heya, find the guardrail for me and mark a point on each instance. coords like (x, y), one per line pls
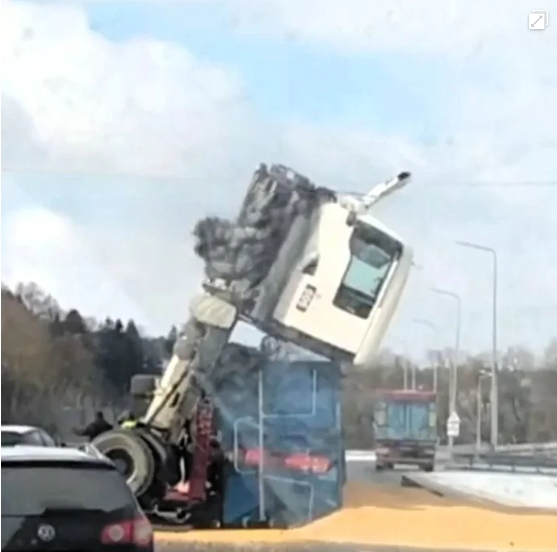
(504, 462)
(527, 448)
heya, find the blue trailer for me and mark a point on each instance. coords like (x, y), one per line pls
(282, 433)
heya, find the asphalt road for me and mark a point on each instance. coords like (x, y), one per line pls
(365, 471)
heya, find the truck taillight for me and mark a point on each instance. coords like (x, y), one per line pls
(136, 531)
(298, 462)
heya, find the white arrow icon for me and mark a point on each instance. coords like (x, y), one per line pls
(538, 20)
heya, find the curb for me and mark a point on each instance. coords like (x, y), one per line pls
(444, 491)
(433, 488)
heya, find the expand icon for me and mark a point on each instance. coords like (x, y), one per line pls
(538, 20)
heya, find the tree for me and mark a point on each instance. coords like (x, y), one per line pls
(170, 341)
(52, 360)
(74, 324)
(39, 371)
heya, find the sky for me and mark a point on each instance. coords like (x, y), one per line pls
(125, 122)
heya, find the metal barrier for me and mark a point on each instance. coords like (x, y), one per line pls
(526, 448)
(504, 462)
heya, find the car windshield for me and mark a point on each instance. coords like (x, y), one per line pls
(34, 489)
(372, 253)
(11, 438)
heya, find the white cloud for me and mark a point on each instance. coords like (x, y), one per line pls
(425, 27)
(499, 108)
(144, 105)
(49, 249)
(80, 103)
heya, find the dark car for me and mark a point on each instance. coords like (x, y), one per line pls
(65, 499)
(13, 435)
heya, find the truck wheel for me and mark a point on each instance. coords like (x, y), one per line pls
(131, 455)
(428, 468)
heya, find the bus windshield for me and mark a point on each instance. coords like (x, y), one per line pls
(372, 254)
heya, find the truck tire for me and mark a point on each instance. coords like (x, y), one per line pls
(131, 455)
(428, 467)
(143, 384)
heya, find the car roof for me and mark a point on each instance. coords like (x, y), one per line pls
(18, 428)
(46, 454)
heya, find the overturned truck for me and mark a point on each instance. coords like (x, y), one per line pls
(306, 266)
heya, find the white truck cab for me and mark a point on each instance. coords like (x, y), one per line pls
(345, 291)
(303, 264)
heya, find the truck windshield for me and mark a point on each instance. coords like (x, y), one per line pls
(372, 253)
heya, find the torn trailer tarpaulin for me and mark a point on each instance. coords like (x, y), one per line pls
(241, 253)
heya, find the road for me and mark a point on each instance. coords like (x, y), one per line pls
(365, 471)
(373, 511)
(361, 470)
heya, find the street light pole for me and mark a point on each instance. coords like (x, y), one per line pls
(454, 372)
(433, 328)
(494, 373)
(482, 375)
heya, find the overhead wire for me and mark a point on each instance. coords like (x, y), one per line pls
(171, 177)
